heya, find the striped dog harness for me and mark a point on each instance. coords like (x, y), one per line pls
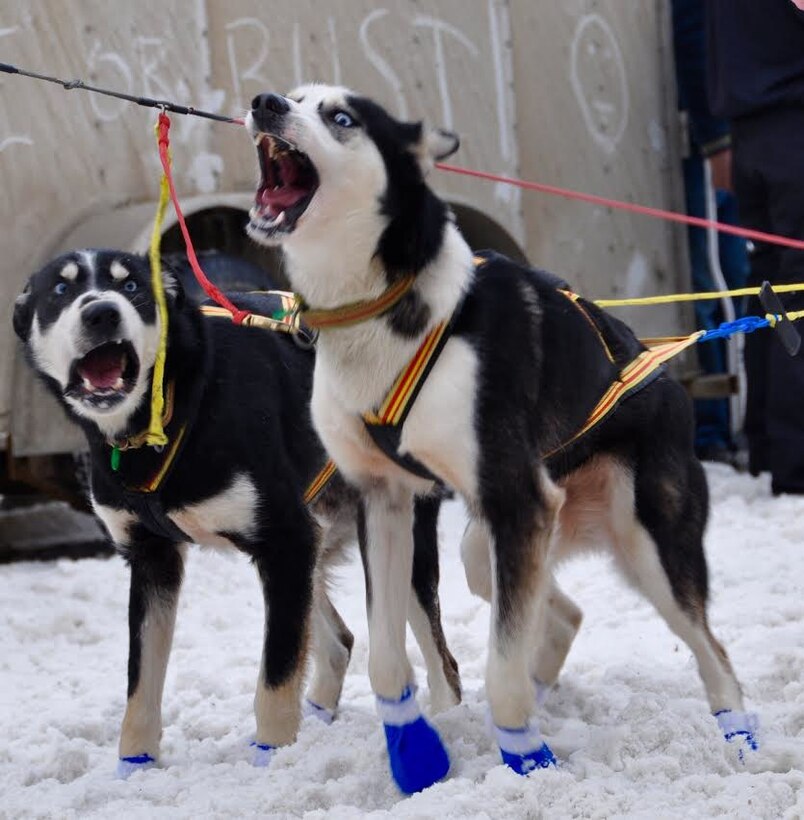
(384, 424)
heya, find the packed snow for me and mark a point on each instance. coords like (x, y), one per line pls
(628, 720)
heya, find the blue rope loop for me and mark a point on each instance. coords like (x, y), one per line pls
(747, 324)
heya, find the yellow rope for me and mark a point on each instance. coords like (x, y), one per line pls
(792, 316)
(692, 297)
(156, 434)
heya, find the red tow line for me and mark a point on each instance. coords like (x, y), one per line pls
(210, 289)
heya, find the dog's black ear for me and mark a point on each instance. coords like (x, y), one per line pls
(23, 314)
(173, 287)
(435, 145)
(440, 143)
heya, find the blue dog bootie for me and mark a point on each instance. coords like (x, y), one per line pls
(524, 750)
(126, 766)
(739, 727)
(263, 753)
(310, 709)
(415, 751)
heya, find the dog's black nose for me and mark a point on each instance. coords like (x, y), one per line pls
(275, 103)
(101, 317)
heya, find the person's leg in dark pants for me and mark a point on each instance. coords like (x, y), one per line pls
(769, 183)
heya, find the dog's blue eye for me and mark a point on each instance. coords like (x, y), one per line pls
(343, 119)
(130, 286)
(60, 289)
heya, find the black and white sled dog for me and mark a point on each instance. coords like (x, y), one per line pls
(242, 452)
(526, 364)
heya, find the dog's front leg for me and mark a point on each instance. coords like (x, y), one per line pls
(522, 530)
(417, 756)
(285, 561)
(157, 567)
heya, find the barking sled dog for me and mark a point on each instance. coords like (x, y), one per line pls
(242, 453)
(521, 368)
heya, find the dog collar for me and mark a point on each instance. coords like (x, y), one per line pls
(137, 440)
(294, 313)
(356, 312)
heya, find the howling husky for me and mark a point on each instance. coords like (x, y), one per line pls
(544, 413)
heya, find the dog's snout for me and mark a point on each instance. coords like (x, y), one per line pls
(273, 103)
(101, 317)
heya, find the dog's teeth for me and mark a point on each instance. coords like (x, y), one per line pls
(118, 385)
(280, 219)
(87, 385)
(258, 139)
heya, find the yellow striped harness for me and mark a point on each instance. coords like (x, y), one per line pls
(385, 423)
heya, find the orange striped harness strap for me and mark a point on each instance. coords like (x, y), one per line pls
(318, 484)
(357, 312)
(171, 451)
(632, 377)
(408, 383)
(385, 424)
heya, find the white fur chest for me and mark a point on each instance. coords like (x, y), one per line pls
(439, 431)
(358, 365)
(232, 511)
(207, 522)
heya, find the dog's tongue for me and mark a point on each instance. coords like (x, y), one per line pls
(277, 198)
(103, 367)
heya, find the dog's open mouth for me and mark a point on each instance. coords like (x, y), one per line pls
(288, 184)
(105, 375)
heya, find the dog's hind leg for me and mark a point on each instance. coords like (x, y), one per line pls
(332, 640)
(424, 608)
(476, 558)
(331, 650)
(660, 549)
(523, 526)
(285, 561)
(561, 622)
(562, 617)
(156, 573)
(417, 756)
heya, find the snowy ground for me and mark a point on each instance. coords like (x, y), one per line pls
(629, 719)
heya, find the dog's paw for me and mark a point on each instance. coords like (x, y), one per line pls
(739, 728)
(417, 756)
(263, 753)
(310, 709)
(126, 766)
(523, 750)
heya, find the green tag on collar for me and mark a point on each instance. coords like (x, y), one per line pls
(115, 458)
